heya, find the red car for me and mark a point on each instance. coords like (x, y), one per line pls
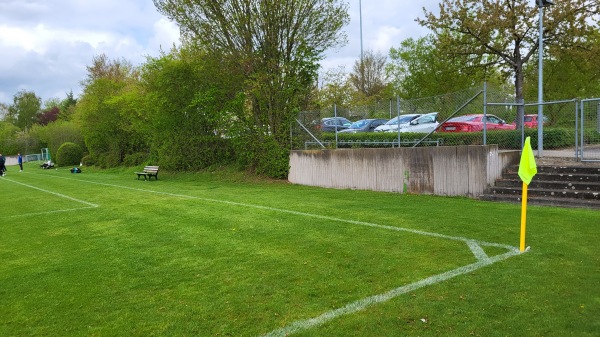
(531, 121)
(474, 123)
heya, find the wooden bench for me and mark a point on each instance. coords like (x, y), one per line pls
(148, 172)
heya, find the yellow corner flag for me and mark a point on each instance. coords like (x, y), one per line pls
(527, 169)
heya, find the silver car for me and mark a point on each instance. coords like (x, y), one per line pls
(392, 124)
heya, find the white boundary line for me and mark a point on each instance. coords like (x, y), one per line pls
(90, 205)
(474, 245)
(364, 303)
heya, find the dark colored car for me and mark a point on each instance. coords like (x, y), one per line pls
(365, 125)
(474, 123)
(331, 124)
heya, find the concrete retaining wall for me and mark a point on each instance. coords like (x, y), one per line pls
(444, 170)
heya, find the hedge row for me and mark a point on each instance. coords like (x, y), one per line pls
(554, 138)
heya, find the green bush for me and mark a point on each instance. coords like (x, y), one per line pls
(554, 138)
(88, 160)
(69, 154)
(135, 159)
(55, 134)
(108, 160)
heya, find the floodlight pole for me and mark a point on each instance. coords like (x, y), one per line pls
(362, 61)
(361, 35)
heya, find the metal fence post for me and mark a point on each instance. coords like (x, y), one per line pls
(336, 128)
(398, 107)
(484, 113)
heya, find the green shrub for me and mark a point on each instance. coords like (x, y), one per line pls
(108, 160)
(554, 138)
(135, 159)
(69, 154)
(88, 160)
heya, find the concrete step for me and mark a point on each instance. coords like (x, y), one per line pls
(551, 184)
(586, 170)
(564, 186)
(557, 176)
(547, 193)
(541, 201)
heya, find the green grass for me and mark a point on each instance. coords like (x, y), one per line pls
(210, 254)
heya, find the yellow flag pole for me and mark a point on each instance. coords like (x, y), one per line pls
(523, 217)
(527, 169)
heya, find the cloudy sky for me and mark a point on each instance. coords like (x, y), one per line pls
(45, 45)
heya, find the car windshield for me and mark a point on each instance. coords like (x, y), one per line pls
(359, 124)
(404, 119)
(466, 118)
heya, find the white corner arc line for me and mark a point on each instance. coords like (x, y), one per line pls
(362, 304)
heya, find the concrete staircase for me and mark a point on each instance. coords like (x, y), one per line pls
(576, 185)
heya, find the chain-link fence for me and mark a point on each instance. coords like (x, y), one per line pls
(589, 135)
(492, 120)
(24, 145)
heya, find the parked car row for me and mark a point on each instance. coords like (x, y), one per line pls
(423, 123)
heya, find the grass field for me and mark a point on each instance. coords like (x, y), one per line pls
(221, 254)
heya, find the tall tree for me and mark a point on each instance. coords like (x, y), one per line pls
(67, 106)
(48, 116)
(188, 101)
(568, 65)
(276, 45)
(369, 76)
(334, 89)
(102, 112)
(418, 68)
(50, 111)
(505, 33)
(25, 108)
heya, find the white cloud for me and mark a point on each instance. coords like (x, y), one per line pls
(386, 37)
(385, 23)
(166, 33)
(45, 45)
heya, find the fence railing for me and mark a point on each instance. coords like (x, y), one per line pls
(589, 126)
(571, 126)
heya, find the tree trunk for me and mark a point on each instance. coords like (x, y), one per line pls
(518, 68)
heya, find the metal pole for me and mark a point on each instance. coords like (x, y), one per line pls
(362, 63)
(336, 127)
(398, 116)
(484, 113)
(577, 104)
(541, 83)
(581, 139)
(361, 36)
(523, 124)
